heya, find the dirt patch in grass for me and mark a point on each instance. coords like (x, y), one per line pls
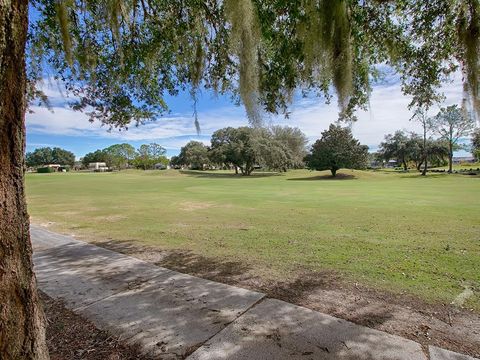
(442, 325)
(70, 337)
(192, 206)
(112, 218)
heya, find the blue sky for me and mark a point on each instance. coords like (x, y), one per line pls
(71, 130)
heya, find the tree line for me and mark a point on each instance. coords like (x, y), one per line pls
(246, 148)
(276, 148)
(279, 148)
(123, 156)
(48, 155)
(450, 126)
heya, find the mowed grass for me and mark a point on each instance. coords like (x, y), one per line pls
(399, 232)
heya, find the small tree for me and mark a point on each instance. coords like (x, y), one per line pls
(452, 124)
(437, 152)
(336, 149)
(194, 154)
(120, 155)
(246, 147)
(415, 151)
(294, 141)
(421, 117)
(175, 161)
(396, 147)
(150, 154)
(272, 154)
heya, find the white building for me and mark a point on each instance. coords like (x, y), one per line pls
(98, 166)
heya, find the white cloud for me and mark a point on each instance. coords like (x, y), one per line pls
(388, 112)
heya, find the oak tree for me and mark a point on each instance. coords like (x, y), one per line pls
(337, 149)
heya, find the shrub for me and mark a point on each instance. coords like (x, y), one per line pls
(45, 170)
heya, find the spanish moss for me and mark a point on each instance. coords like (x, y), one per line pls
(62, 16)
(245, 40)
(469, 34)
(325, 34)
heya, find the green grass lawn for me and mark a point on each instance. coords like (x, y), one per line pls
(461, 166)
(399, 232)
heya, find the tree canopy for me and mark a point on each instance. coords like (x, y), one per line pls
(120, 59)
(120, 156)
(96, 156)
(148, 155)
(194, 154)
(399, 146)
(295, 142)
(235, 146)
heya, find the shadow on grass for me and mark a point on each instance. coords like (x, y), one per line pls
(183, 261)
(222, 175)
(326, 177)
(295, 291)
(188, 262)
(227, 272)
(417, 175)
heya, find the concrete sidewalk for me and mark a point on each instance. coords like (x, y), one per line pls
(174, 316)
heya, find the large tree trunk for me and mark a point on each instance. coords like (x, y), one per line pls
(22, 326)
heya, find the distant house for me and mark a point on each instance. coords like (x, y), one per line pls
(463, 159)
(391, 164)
(375, 164)
(98, 166)
(50, 168)
(78, 165)
(161, 166)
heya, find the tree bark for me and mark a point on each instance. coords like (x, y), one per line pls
(22, 325)
(334, 171)
(425, 153)
(418, 165)
(450, 157)
(425, 167)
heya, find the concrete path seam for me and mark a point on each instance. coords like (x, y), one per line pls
(226, 325)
